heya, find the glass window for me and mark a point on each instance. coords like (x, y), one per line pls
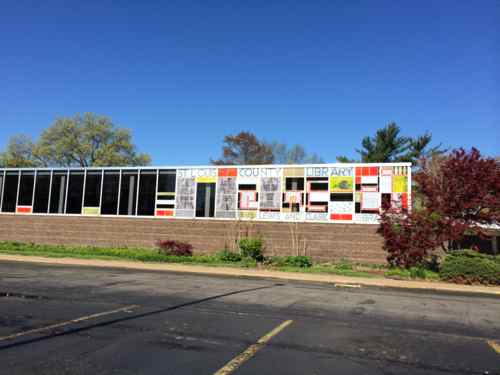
(26, 189)
(42, 189)
(147, 193)
(58, 192)
(166, 181)
(109, 205)
(93, 189)
(128, 193)
(10, 192)
(1, 185)
(294, 183)
(75, 192)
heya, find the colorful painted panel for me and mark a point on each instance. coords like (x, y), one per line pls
(91, 211)
(340, 184)
(270, 193)
(185, 203)
(226, 198)
(399, 184)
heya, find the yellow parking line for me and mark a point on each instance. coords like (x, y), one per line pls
(237, 361)
(495, 345)
(68, 322)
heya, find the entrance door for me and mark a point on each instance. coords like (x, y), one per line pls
(205, 199)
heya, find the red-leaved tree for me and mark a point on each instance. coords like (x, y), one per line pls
(460, 194)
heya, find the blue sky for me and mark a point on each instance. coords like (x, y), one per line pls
(182, 74)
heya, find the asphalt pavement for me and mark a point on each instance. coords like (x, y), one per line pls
(81, 320)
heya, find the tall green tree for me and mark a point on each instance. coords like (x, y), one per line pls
(78, 141)
(19, 153)
(388, 145)
(244, 148)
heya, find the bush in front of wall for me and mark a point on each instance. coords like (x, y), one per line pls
(299, 261)
(251, 247)
(229, 256)
(172, 247)
(471, 267)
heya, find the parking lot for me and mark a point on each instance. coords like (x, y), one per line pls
(82, 320)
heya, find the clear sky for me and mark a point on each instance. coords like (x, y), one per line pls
(182, 74)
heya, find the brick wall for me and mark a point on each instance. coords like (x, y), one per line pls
(323, 242)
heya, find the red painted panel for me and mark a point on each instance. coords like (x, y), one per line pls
(404, 199)
(365, 171)
(373, 171)
(341, 216)
(164, 213)
(228, 172)
(24, 210)
(359, 171)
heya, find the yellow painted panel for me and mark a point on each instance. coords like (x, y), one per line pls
(91, 210)
(399, 184)
(206, 179)
(248, 214)
(341, 184)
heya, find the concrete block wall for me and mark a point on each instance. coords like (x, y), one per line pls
(323, 242)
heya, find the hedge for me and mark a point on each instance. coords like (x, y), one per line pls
(471, 267)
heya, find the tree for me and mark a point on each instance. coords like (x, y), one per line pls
(465, 188)
(295, 154)
(460, 194)
(244, 148)
(345, 159)
(388, 145)
(82, 141)
(19, 153)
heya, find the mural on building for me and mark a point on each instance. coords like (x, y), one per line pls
(342, 193)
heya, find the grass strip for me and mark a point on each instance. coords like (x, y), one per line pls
(152, 256)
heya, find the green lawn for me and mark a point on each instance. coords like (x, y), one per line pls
(152, 256)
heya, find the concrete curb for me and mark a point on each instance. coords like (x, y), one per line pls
(343, 281)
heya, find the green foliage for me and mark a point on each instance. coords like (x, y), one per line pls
(290, 261)
(224, 258)
(345, 159)
(228, 256)
(90, 252)
(19, 153)
(470, 267)
(389, 146)
(344, 265)
(81, 141)
(416, 272)
(251, 247)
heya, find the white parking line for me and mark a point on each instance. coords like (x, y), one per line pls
(68, 322)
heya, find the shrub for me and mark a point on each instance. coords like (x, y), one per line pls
(469, 267)
(344, 265)
(410, 240)
(292, 261)
(251, 247)
(458, 192)
(228, 256)
(172, 247)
